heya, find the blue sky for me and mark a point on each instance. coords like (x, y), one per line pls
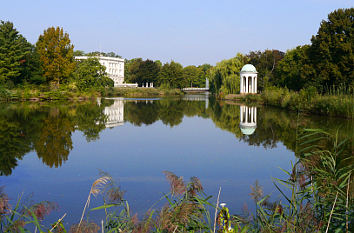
(191, 32)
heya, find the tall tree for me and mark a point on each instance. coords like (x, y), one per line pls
(266, 62)
(225, 76)
(171, 75)
(295, 70)
(193, 76)
(90, 73)
(332, 49)
(13, 50)
(56, 55)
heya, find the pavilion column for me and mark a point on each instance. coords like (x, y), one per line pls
(246, 110)
(255, 115)
(248, 85)
(255, 90)
(241, 82)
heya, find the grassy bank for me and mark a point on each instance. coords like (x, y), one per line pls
(35, 93)
(140, 92)
(307, 100)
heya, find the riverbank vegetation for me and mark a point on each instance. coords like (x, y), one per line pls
(315, 78)
(315, 198)
(48, 70)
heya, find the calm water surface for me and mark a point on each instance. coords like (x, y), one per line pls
(54, 151)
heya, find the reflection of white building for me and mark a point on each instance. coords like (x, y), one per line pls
(248, 119)
(115, 113)
(114, 67)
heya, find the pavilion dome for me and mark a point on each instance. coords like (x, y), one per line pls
(247, 130)
(249, 68)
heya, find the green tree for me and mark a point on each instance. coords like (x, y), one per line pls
(13, 51)
(295, 70)
(266, 63)
(332, 49)
(193, 76)
(89, 73)
(56, 55)
(171, 75)
(78, 53)
(225, 76)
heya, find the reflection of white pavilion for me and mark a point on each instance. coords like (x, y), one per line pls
(248, 119)
(115, 113)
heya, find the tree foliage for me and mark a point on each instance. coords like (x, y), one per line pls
(56, 55)
(266, 62)
(225, 76)
(295, 70)
(89, 73)
(14, 49)
(139, 71)
(332, 49)
(193, 76)
(171, 75)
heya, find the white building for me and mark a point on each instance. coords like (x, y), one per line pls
(248, 79)
(114, 67)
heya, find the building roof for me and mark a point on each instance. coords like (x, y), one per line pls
(249, 68)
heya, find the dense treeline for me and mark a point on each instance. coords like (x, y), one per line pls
(326, 64)
(49, 63)
(169, 75)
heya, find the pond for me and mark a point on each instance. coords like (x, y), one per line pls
(54, 151)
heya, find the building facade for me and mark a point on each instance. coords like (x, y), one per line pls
(114, 67)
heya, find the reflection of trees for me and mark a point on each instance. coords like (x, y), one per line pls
(54, 143)
(47, 128)
(90, 119)
(275, 125)
(169, 111)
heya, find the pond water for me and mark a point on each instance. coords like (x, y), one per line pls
(54, 151)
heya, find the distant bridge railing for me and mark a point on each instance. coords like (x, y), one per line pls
(195, 89)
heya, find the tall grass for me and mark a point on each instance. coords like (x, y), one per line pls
(338, 102)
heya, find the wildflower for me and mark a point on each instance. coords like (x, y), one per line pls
(176, 183)
(4, 202)
(257, 191)
(84, 227)
(42, 209)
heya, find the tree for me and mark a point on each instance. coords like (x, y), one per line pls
(193, 76)
(13, 51)
(56, 55)
(78, 53)
(139, 71)
(266, 62)
(332, 49)
(295, 70)
(225, 76)
(89, 73)
(171, 75)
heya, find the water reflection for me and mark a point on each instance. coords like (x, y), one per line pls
(248, 119)
(115, 113)
(47, 128)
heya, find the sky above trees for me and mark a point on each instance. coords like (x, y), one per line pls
(190, 32)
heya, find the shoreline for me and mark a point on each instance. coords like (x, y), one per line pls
(35, 95)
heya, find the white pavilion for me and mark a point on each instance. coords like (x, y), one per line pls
(248, 79)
